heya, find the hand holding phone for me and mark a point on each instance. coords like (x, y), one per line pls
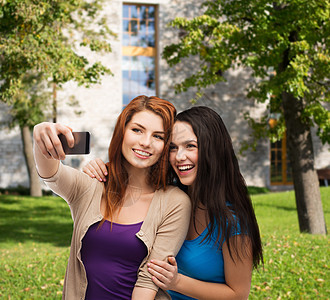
(81, 143)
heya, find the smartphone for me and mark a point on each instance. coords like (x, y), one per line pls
(81, 143)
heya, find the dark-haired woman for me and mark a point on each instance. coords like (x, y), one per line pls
(134, 217)
(223, 241)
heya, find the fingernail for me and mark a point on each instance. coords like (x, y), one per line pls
(105, 173)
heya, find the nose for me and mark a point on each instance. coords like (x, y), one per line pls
(181, 155)
(145, 141)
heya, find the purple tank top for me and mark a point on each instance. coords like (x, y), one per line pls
(111, 258)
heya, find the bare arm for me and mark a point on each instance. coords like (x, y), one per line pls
(237, 273)
(143, 293)
(48, 149)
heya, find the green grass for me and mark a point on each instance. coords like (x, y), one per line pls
(296, 266)
(35, 237)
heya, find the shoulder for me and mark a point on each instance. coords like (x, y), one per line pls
(68, 171)
(175, 197)
(172, 192)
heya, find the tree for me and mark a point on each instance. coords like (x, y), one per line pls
(38, 48)
(29, 107)
(286, 45)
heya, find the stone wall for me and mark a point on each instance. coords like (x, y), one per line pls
(13, 170)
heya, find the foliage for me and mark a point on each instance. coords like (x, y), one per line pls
(30, 104)
(256, 34)
(42, 38)
(255, 190)
(21, 190)
(35, 235)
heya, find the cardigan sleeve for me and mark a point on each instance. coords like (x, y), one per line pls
(71, 185)
(170, 234)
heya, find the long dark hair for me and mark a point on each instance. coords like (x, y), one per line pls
(117, 179)
(219, 184)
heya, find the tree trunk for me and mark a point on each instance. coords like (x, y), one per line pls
(301, 154)
(35, 186)
(54, 105)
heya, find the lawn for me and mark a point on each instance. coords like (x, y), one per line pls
(35, 238)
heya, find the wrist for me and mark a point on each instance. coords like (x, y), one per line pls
(177, 282)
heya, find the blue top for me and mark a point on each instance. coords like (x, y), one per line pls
(112, 257)
(202, 261)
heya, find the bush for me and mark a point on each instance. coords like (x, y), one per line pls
(254, 190)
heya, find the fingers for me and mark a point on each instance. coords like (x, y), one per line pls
(101, 169)
(50, 147)
(172, 261)
(46, 138)
(163, 264)
(86, 170)
(102, 166)
(164, 270)
(96, 169)
(159, 279)
(159, 283)
(164, 274)
(67, 131)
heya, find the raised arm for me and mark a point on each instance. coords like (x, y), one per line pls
(48, 149)
(237, 273)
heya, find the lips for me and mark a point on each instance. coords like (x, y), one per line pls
(142, 153)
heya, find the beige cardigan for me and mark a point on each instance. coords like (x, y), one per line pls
(163, 230)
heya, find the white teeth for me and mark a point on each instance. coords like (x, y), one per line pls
(142, 153)
(185, 168)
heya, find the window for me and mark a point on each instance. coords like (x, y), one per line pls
(139, 51)
(280, 172)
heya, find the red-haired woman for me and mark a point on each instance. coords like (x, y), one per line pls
(132, 218)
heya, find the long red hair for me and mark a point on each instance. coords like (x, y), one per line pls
(117, 179)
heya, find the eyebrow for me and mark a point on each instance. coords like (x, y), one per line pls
(186, 142)
(162, 132)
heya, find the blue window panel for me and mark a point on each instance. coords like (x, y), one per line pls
(125, 11)
(134, 11)
(125, 39)
(138, 71)
(143, 12)
(125, 26)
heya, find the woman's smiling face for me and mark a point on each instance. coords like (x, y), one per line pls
(184, 152)
(143, 141)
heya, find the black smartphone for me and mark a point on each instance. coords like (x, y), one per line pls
(81, 143)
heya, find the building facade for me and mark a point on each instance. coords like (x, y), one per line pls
(139, 69)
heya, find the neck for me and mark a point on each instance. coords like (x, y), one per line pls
(137, 179)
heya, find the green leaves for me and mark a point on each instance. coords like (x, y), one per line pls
(39, 44)
(44, 35)
(284, 43)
